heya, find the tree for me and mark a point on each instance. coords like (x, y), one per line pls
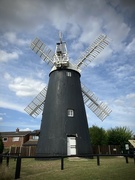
(98, 135)
(1, 145)
(119, 136)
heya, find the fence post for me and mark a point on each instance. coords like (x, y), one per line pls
(98, 160)
(62, 163)
(7, 160)
(1, 159)
(109, 149)
(126, 158)
(20, 149)
(18, 167)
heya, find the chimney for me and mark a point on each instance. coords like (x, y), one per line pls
(17, 130)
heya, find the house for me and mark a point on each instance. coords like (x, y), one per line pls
(132, 147)
(20, 138)
(17, 138)
(132, 142)
(33, 138)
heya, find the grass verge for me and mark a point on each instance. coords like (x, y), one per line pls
(75, 169)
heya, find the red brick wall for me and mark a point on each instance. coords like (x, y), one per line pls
(19, 143)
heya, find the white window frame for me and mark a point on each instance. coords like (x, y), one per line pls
(4, 139)
(68, 73)
(35, 137)
(15, 139)
(70, 113)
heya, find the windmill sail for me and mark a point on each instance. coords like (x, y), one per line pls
(99, 108)
(92, 102)
(37, 105)
(93, 50)
(43, 51)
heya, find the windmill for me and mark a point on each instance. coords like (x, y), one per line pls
(64, 126)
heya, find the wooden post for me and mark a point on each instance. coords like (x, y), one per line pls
(29, 150)
(62, 163)
(15, 149)
(7, 160)
(18, 168)
(98, 160)
(109, 149)
(20, 149)
(1, 159)
(126, 158)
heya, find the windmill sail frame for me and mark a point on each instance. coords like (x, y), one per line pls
(43, 51)
(100, 109)
(93, 51)
(37, 105)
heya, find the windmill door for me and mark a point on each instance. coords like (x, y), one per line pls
(71, 146)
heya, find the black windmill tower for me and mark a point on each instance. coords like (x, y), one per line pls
(64, 127)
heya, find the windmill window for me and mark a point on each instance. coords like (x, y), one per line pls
(69, 74)
(70, 113)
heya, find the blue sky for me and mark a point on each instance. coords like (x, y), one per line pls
(111, 76)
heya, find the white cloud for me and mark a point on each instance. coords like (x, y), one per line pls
(12, 38)
(122, 29)
(123, 72)
(90, 31)
(125, 104)
(80, 23)
(81, 20)
(20, 15)
(12, 106)
(7, 76)
(24, 86)
(131, 99)
(74, 31)
(130, 48)
(2, 114)
(119, 102)
(1, 119)
(25, 129)
(102, 57)
(7, 56)
(130, 96)
(88, 17)
(126, 6)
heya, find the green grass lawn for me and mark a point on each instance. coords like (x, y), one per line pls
(114, 168)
